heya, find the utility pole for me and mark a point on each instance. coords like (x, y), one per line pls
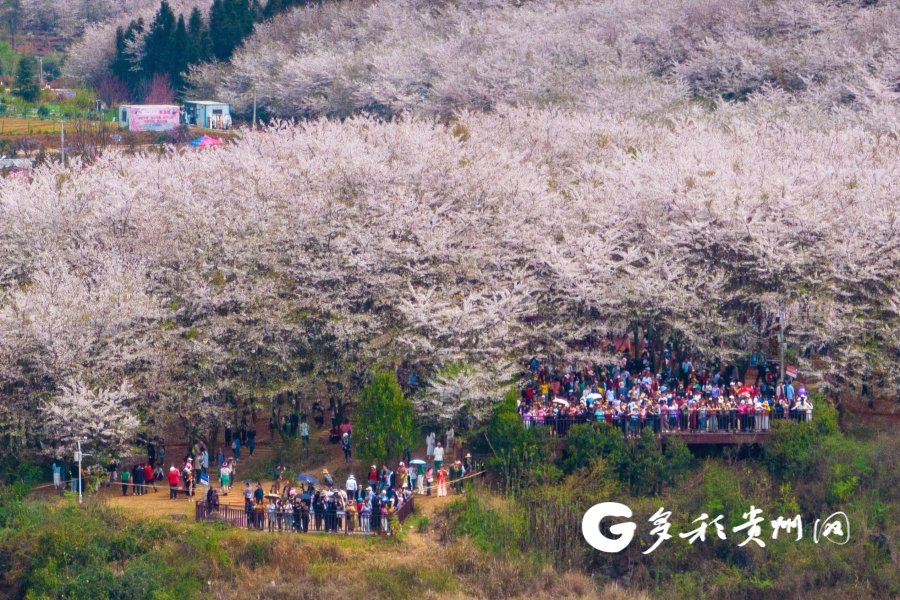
(62, 142)
(41, 77)
(78, 456)
(781, 345)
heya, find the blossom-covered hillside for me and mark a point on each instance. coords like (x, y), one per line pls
(634, 57)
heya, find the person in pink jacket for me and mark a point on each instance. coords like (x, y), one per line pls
(442, 481)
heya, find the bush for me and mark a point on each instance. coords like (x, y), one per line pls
(678, 462)
(494, 531)
(520, 453)
(422, 524)
(69, 551)
(589, 442)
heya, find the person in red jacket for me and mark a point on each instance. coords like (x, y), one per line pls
(148, 477)
(173, 483)
(373, 476)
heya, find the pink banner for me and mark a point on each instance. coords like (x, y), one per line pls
(153, 118)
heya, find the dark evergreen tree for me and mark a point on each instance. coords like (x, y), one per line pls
(181, 50)
(198, 49)
(121, 66)
(27, 86)
(159, 51)
(230, 21)
(273, 7)
(257, 11)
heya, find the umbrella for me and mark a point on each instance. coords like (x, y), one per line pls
(561, 401)
(205, 141)
(308, 479)
(417, 461)
(276, 496)
(594, 396)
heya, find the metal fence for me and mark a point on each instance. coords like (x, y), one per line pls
(728, 421)
(333, 522)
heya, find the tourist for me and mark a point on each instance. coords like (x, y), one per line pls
(236, 448)
(438, 456)
(442, 482)
(373, 476)
(304, 432)
(251, 440)
(345, 446)
(365, 515)
(137, 476)
(270, 513)
(204, 462)
(225, 477)
(126, 476)
(351, 511)
(149, 478)
(189, 479)
(57, 475)
(429, 445)
(420, 479)
(173, 483)
(304, 516)
(351, 486)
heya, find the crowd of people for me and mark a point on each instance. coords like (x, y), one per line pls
(693, 397)
(365, 507)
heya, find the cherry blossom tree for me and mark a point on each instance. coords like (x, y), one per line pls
(397, 57)
(100, 416)
(454, 249)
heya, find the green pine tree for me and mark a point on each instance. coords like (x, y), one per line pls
(230, 21)
(121, 66)
(27, 85)
(383, 419)
(159, 50)
(181, 42)
(199, 47)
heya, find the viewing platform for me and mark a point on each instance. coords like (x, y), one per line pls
(730, 429)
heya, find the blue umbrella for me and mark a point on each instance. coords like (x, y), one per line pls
(308, 479)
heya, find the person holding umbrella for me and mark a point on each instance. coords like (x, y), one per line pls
(420, 479)
(413, 475)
